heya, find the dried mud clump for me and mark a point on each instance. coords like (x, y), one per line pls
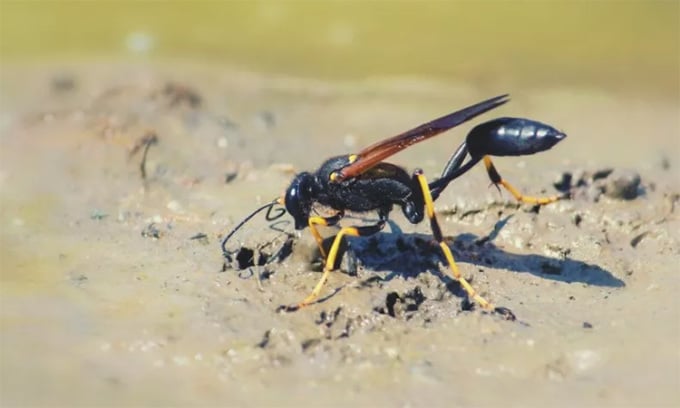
(402, 306)
(339, 324)
(152, 231)
(245, 257)
(619, 184)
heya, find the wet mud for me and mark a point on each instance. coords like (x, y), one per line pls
(118, 184)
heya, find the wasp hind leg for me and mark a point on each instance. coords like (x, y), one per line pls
(331, 258)
(437, 233)
(497, 180)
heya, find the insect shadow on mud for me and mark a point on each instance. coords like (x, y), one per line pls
(364, 182)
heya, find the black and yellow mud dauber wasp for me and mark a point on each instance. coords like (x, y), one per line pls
(363, 182)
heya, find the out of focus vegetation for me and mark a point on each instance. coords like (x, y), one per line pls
(616, 45)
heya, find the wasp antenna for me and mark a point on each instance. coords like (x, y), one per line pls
(245, 220)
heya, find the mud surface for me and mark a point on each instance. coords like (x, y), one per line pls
(115, 291)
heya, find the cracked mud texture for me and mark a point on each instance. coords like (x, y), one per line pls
(114, 290)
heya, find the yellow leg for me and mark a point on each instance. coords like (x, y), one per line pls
(497, 179)
(330, 262)
(436, 232)
(332, 257)
(326, 222)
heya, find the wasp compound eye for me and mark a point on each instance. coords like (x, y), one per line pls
(299, 198)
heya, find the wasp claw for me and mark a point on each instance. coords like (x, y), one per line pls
(505, 313)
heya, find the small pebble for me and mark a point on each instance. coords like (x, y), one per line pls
(98, 215)
(583, 360)
(623, 184)
(174, 206)
(392, 352)
(151, 231)
(230, 176)
(602, 173)
(563, 182)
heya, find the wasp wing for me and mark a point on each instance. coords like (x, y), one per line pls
(370, 156)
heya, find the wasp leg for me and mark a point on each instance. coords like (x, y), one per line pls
(330, 260)
(496, 179)
(326, 222)
(437, 233)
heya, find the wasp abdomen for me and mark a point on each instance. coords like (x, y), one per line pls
(512, 137)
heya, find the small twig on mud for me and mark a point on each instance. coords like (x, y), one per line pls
(149, 138)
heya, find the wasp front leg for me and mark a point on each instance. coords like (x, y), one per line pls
(314, 221)
(330, 261)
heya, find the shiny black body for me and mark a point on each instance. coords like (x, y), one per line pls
(380, 188)
(364, 182)
(385, 185)
(497, 137)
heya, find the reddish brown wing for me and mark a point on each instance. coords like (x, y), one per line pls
(378, 152)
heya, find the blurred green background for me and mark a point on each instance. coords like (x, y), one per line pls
(614, 45)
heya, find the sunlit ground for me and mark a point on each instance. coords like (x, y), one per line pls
(96, 310)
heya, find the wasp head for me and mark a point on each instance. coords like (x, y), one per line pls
(300, 197)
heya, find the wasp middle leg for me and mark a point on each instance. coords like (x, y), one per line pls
(437, 233)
